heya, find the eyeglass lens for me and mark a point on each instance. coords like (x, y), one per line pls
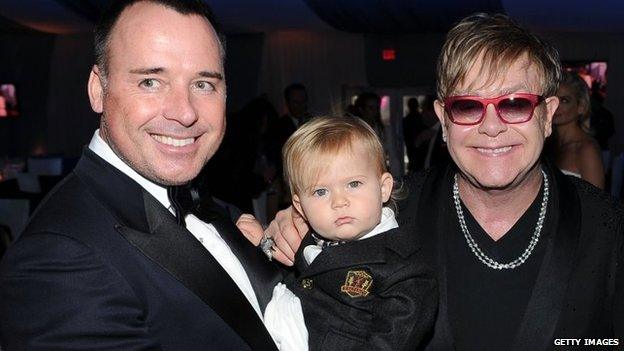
(509, 109)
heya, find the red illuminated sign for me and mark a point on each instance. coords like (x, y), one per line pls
(388, 54)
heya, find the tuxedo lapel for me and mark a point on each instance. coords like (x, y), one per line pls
(542, 313)
(262, 274)
(177, 251)
(122, 196)
(152, 229)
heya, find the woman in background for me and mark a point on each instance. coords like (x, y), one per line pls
(575, 151)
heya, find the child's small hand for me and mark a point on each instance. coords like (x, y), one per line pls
(251, 228)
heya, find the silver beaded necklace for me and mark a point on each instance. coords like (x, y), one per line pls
(475, 248)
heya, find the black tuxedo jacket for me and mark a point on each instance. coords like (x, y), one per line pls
(371, 294)
(579, 290)
(103, 265)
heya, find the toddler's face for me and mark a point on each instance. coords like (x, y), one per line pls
(346, 200)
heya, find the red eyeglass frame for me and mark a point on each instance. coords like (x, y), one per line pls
(485, 102)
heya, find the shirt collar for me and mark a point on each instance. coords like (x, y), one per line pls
(388, 221)
(102, 149)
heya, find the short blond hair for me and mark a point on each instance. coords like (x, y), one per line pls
(325, 136)
(500, 42)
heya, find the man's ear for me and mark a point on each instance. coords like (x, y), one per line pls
(438, 107)
(95, 88)
(297, 204)
(387, 183)
(552, 103)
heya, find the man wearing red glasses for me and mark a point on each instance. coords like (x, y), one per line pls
(526, 258)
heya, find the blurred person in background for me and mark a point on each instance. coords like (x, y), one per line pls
(412, 126)
(296, 100)
(574, 150)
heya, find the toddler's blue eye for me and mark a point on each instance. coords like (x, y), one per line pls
(320, 192)
(355, 184)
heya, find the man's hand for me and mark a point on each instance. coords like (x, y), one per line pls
(251, 228)
(287, 230)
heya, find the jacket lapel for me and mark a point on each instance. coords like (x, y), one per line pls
(122, 196)
(194, 267)
(540, 319)
(262, 274)
(544, 307)
(152, 229)
(359, 252)
(346, 255)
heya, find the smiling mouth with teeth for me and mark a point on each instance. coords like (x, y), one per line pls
(497, 151)
(167, 140)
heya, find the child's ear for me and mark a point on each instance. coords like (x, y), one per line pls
(297, 204)
(387, 183)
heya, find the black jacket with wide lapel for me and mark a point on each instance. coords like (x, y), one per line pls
(542, 313)
(430, 194)
(152, 229)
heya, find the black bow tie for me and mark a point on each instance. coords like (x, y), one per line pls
(185, 200)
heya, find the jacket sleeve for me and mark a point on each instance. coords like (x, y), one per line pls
(405, 311)
(57, 294)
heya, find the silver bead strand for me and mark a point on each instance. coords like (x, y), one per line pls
(474, 247)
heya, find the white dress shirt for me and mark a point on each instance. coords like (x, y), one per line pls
(204, 232)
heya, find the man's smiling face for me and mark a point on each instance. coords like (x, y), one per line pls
(162, 97)
(494, 154)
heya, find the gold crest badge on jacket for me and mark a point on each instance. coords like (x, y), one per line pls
(357, 284)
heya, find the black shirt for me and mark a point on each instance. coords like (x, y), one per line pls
(486, 305)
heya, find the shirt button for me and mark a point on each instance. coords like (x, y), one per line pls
(306, 283)
(201, 240)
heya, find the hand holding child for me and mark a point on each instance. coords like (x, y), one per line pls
(287, 230)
